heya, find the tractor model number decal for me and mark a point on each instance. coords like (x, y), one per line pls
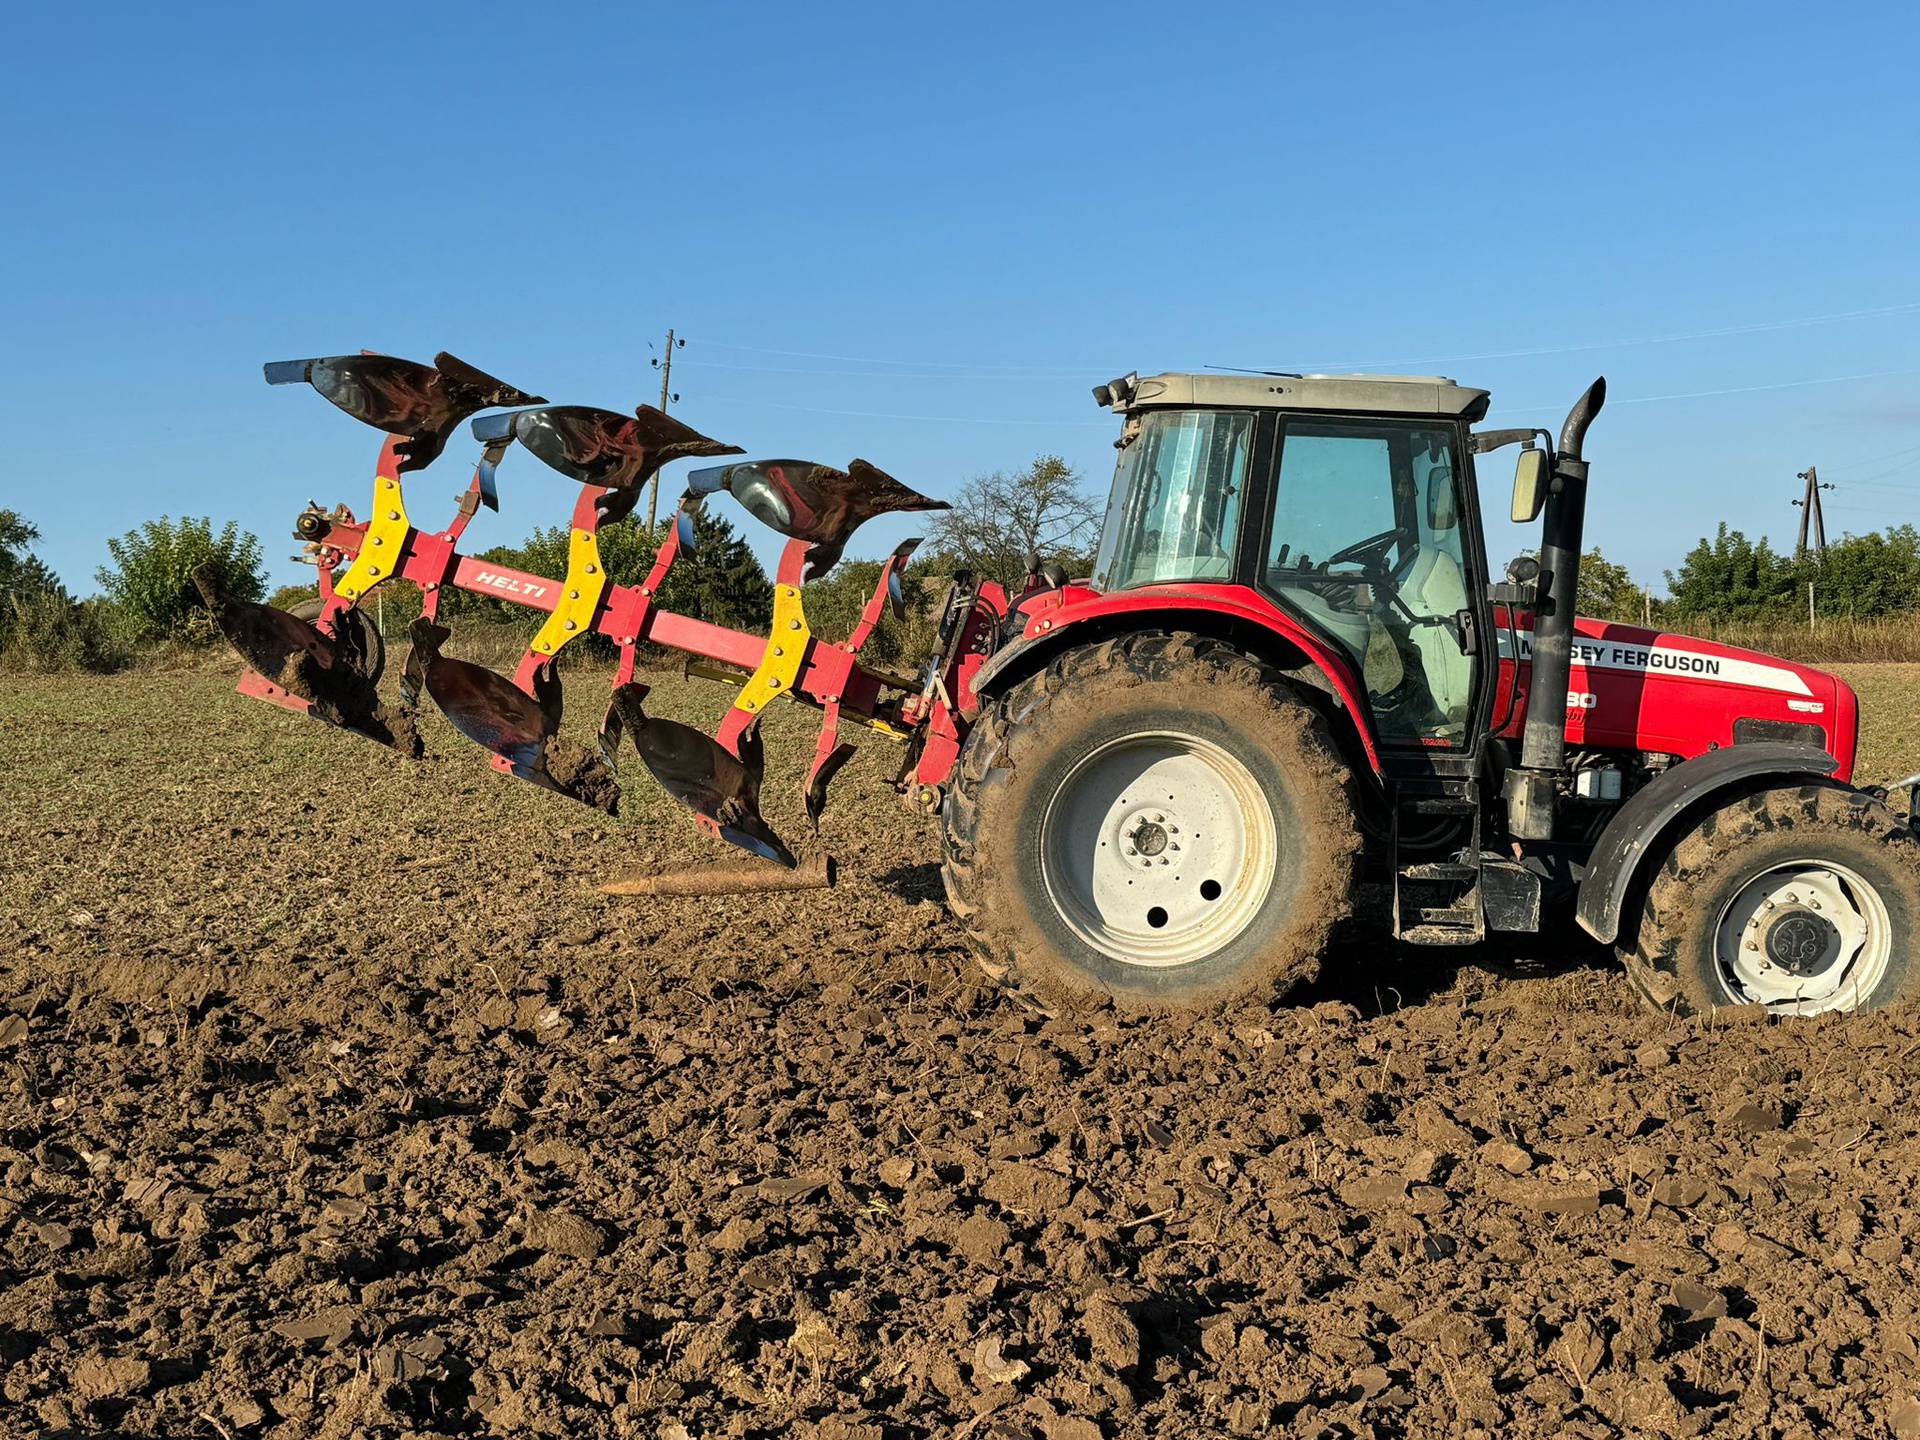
(508, 584)
(1668, 659)
(1582, 700)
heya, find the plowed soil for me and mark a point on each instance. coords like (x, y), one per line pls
(333, 1103)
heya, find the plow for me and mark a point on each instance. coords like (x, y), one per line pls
(1292, 672)
(328, 664)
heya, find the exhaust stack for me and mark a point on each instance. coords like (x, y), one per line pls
(1531, 786)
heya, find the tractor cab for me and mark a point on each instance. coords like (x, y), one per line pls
(1344, 502)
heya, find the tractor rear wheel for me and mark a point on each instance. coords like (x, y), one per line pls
(1157, 819)
(1803, 900)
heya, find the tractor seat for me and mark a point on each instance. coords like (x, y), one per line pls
(421, 403)
(1430, 584)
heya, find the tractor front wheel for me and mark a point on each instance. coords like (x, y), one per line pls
(1803, 900)
(1158, 819)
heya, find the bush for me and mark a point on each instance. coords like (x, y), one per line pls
(1607, 591)
(151, 575)
(41, 627)
(292, 597)
(834, 604)
(1732, 578)
(49, 631)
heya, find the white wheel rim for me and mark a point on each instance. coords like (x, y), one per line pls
(1803, 937)
(1158, 849)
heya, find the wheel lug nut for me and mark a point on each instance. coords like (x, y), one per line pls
(1753, 945)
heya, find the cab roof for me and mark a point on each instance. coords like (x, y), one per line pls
(1365, 394)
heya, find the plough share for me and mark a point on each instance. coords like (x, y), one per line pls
(329, 668)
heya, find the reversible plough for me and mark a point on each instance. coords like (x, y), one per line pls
(329, 668)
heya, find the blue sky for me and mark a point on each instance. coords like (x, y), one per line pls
(919, 234)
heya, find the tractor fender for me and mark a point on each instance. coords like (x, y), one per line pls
(1634, 834)
(1228, 612)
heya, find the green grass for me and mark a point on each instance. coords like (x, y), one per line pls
(1889, 719)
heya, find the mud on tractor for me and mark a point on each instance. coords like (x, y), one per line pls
(1291, 672)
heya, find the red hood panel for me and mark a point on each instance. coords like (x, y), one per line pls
(1638, 689)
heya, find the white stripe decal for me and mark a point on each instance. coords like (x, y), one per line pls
(1666, 658)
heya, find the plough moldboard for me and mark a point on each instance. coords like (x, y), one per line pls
(329, 668)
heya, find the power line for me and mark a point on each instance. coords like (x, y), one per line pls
(928, 419)
(1720, 332)
(1710, 394)
(1032, 370)
(872, 360)
(886, 374)
(1877, 459)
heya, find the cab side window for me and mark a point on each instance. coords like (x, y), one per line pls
(1365, 545)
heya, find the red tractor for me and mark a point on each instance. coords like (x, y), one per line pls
(1290, 672)
(1292, 668)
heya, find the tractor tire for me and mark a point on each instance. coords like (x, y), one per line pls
(309, 611)
(1158, 820)
(1803, 899)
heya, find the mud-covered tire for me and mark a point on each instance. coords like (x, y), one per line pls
(1709, 930)
(310, 610)
(1016, 777)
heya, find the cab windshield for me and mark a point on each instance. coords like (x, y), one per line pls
(1175, 511)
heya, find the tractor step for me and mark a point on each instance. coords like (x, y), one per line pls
(1438, 902)
(1440, 870)
(1448, 934)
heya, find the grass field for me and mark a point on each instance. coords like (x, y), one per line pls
(1889, 718)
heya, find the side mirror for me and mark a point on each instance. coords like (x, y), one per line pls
(1530, 476)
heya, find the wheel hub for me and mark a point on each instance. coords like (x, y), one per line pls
(1158, 849)
(1804, 937)
(1149, 839)
(1802, 942)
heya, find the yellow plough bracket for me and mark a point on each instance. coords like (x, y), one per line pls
(387, 534)
(786, 649)
(584, 587)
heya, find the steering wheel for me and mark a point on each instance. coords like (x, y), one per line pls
(1370, 554)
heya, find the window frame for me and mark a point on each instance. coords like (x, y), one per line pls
(1253, 492)
(1258, 540)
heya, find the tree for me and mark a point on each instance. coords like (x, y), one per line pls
(151, 582)
(291, 597)
(1607, 591)
(41, 627)
(1732, 578)
(1862, 576)
(717, 580)
(834, 603)
(22, 574)
(998, 520)
(720, 581)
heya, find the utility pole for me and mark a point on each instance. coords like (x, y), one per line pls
(664, 364)
(1811, 515)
